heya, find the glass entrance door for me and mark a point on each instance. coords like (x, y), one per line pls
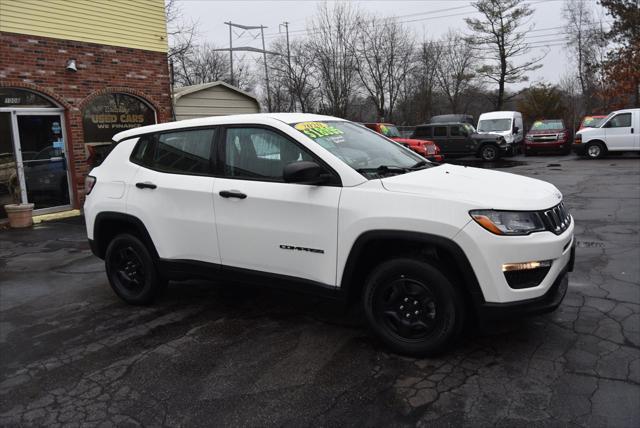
(9, 193)
(42, 146)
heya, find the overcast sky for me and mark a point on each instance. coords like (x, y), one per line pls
(426, 18)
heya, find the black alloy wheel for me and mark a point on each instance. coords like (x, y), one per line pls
(407, 307)
(413, 307)
(131, 270)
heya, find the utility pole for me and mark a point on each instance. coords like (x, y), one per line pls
(230, 51)
(263, 51)
(290, 71)
(266, 69)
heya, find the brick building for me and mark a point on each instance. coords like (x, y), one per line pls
(72, 74)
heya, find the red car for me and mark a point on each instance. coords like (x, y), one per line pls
(592, 121)
(548, 135)
(424, 148)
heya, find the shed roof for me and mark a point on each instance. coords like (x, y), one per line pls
(185, 90)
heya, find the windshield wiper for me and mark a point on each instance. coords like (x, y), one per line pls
(420, 164)
(391, 169)
(385, 169)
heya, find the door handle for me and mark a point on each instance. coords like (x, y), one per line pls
(146, 185)
(232, 194)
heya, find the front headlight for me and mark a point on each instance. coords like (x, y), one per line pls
(508, 222)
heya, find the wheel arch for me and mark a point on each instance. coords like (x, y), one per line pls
(597, 140)
(372, 247)
(108, 225)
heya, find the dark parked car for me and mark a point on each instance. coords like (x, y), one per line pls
(452, 118)
(548, 135)
(425, 148)
(460, 139)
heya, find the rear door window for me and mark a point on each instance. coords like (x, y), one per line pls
(424, 131)
(178, 152)
(439, 131)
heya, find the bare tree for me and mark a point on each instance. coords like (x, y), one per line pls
(200, 65)
(295, 78)
(181, 33)
(500, 37)
(455, 73)
(587, 42)
(384, 50)
(333, 35)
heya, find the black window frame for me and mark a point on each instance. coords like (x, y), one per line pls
(446, 131)
(156, 136)
(428, 130)
(221, 142)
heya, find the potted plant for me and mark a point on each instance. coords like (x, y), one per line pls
(19, 214)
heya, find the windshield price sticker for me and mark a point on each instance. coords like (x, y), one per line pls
(315, 130)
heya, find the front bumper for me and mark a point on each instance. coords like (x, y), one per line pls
(548, 302)
(579, 149)
(547, 147)
(487, 253)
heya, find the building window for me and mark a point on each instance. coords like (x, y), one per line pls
(106, 115)
(14, 97)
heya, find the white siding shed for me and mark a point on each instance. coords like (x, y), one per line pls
(212, 99)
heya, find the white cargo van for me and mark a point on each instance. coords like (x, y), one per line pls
(505, 123)
(619, 132)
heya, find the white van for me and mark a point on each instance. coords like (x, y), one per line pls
(505, 123)
(619, 132)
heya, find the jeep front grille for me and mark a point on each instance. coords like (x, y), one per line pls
(557, 219)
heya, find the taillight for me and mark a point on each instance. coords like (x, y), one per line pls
(89, 183)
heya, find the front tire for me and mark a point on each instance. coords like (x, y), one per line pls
(489, 153)
(595, 150)
(131, 270)
(412, 307)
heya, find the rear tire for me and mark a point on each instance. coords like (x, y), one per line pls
(131, 270)
(412, 307)
(595, 150)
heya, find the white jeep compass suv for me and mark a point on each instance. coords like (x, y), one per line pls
(323, 204)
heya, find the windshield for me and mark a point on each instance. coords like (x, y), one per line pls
(362, 149)
(492, 125)
(389, 131)
(546, 125)
(469, 128)
(592, 122)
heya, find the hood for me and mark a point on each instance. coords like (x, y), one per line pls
(503, 133)
(587, 131)
(487, 135)
(546, 131)
(480, 188)
(412, 141)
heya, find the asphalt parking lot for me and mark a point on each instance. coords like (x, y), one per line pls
(210, 355)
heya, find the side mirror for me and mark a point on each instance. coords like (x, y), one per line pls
(305, 172)
(516, 129)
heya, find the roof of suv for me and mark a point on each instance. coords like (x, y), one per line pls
(256, 118)
(442, 124)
